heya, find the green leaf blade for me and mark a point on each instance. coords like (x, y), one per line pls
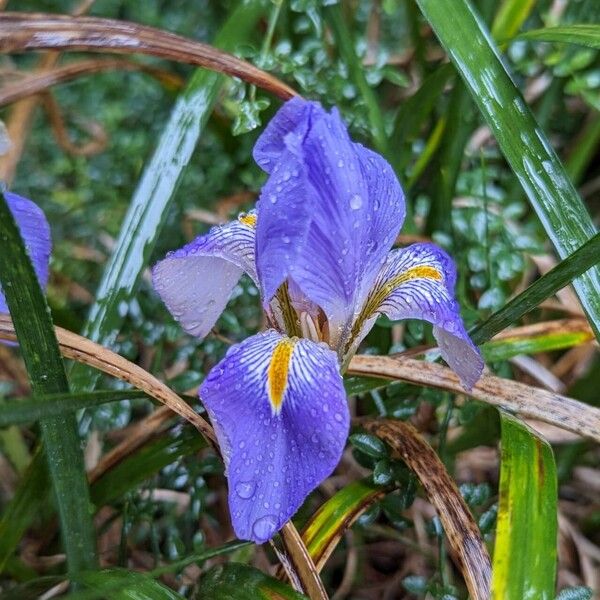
(41, 353)
(579, 34)
(526, 535)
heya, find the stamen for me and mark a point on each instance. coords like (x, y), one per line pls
(308, 327)
(277, 376)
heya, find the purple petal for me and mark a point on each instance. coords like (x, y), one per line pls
(329, 212)
(196, 281)
(291, 122)
(279, 409)
(418, 282)
(35, 232)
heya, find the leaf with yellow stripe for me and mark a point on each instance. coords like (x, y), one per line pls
(524, 564)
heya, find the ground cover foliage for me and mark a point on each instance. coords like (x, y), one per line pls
(439, 494)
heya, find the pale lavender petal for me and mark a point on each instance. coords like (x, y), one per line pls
(329, 212)
(35, 232)
(275, 458)
(196, 281)
(418, 282)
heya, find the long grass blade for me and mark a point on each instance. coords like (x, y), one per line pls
(582, 35)
(574, 265)
(510, 16)
(524, 563)
(327, 526)
(143, 464)
(343, 39)
(28, 410)
(556, 335)
(524, 144)
(243, 582)
(47, 375)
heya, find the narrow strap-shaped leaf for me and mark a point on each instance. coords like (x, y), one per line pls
(327, 526)
(524, 144)
(145, 462)
(32, 494)
(558, 335)
(577, 263)
(28, 410)
(510, 16)
(344, 41)
(581, 34)
(524, 564)
(46, 372)
(120, 584)
(242, 582)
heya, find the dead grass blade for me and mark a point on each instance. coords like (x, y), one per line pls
(464, 538)
(512, 396)
(40, 81)
(38, 31)
(302, 563)
(81, 349)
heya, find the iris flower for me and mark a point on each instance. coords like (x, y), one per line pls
(35, 232)
(318, 247)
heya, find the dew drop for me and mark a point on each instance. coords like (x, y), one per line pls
(264, 527)
(355, 202)
(245, 489)
(338, 417)
(340, 163)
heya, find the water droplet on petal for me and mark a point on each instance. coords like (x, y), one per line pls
(355, 202)
(338, 417)
(264, 527)
(245, 489)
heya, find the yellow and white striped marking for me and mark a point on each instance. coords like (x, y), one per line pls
(277, 375)
(248, 219)
(422, 272)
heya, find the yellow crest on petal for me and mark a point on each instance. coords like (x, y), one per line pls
(248, 219)
(422, 272)
(277, 375)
